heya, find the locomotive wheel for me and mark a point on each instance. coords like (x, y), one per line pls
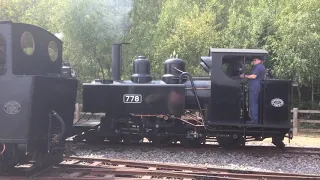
(231, 142)
(95, 140)
(132, 139)
(114, 139)
(191, 143)
(277, 141)
(92, 137)
(45, 159)
(38, 157)
(78, 138)
(160, 141)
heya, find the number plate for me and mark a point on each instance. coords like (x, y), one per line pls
(132, 98)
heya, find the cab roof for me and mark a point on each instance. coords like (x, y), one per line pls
(239, 51)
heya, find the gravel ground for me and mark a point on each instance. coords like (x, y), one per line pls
(231, 160)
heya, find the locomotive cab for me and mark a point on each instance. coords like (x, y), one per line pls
(37, 102)
(228, 108)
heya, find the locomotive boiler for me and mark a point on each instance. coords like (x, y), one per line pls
(37, 102)
(185, 109)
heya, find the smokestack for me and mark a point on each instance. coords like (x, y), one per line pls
(116, 61)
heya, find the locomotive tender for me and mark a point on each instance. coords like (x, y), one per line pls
(183, 108)
(37, 101)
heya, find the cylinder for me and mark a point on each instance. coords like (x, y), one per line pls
(141, 70)
(172, 70)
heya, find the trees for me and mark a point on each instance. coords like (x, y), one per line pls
(89, 29)
(288, 29)
(296, 44)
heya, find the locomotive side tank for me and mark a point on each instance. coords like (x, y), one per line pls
(38, 103)
(153, 108)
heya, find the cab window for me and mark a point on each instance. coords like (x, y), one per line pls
(233, 66)
(2, 55)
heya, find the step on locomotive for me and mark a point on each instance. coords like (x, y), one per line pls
(183, 109)
(37, 101)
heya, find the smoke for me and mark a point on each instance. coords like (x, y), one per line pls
(120, 12)
(111, 17)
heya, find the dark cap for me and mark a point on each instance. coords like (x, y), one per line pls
(262, 58)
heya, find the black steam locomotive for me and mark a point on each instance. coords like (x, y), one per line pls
(183, 108)
(39, 95)
(37, 102)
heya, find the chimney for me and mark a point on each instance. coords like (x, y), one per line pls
(116, 61)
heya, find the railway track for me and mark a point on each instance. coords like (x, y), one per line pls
(207, 147)
(93, 168)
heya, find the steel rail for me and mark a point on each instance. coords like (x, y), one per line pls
(195, 170)
(98, 168)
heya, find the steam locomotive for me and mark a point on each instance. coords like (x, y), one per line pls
(185, 109)
(37, 101)
(39, 95)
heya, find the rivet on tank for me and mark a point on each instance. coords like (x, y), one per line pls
(172, 70)
(141, 70)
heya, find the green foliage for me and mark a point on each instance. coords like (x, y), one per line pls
(160, 29)
(144, 16)
(89, 29)
(15, 10)
(184, 27)
(297, 41)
